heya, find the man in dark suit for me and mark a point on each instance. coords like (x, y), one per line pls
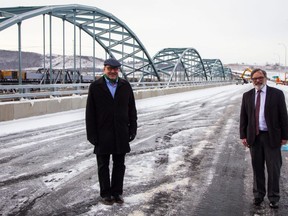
(263, 129)
(111, 123)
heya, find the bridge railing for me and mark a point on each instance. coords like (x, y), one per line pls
(16, 92)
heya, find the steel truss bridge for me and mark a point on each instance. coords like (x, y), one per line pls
(120, 42)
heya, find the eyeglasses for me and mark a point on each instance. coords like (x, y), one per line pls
(257, 78)
(109, 68)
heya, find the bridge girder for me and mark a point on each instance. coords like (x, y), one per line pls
(113, 35)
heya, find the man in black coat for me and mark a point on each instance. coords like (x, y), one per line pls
(111, 123)
(263, 129)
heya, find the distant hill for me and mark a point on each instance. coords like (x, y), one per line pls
(32, 61)
(267, 67)
(9, 60)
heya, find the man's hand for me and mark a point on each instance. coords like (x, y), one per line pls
(244, 141)
(131, 137)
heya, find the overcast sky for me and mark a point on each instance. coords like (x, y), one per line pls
(234, 31)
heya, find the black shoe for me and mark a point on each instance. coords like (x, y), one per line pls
(274, 205)
(107, 200)
(118, 199)
(258, 201)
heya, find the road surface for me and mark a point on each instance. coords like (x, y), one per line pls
(187, 159)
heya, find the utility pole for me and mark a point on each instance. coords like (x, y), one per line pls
(285, 47)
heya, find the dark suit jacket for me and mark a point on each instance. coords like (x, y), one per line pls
(110, 121)
(275, 113)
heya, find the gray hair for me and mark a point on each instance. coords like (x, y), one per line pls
(259, 70)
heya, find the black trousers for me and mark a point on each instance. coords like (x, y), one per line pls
(115, 186)
(262, 152)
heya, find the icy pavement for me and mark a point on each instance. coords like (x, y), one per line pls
(187, 159)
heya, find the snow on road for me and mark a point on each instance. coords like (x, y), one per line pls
(187, 146)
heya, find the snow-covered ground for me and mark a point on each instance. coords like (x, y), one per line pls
(187, 159)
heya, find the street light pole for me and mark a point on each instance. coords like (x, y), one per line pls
(285, 53)
(278, 57)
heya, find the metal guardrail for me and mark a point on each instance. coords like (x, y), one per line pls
(11, 92)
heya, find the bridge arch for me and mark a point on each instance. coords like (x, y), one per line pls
(113, 35)
(228, 73)
(214, 69)
(179, 64)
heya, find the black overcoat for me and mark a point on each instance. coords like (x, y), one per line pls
(109, 121)
(275, 113)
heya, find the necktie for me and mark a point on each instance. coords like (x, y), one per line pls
(257, 110)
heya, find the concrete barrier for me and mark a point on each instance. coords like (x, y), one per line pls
(27, 108)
